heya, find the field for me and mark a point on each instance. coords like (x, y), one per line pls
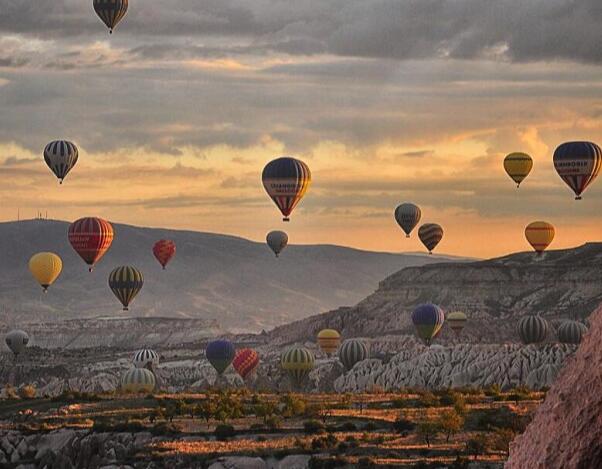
(405, 429)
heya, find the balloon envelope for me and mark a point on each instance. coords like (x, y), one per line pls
(146, 358)
(61, 156)
(245, 362)
(571, 332)
(428, 320)
(220, 354)
(456, 320)
(578, 164)
(45, 268)
(125, 282)
(407, 216)
(351, 352)
(164, 250)
(540, 235)
(277, 241)
(329, 340)
(17, 341)
(532, 329)
(286, 181)
(138, 380)
(91, 238)
(111, 12)
(430, 234)
(518, 166)
(297, 362)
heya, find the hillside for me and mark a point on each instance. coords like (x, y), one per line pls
(493, 293)
(232, 280)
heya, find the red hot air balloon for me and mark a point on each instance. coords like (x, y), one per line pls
(245, 362)
(164, 250)
(91, 238)
(286, 181)
(578, 164)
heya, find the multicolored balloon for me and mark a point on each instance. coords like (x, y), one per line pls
(532, 329)
(220, 354)
(91, 238)
(164, 250)
(277, 241)
(126, 282)
(540, 235)
(146, 358)
(111, 12)
(353, 351)
(407, 216)
(245, 362)
(297, 361)
(286, 181)
(61, 156)
(457, 321)
(45, 268)
(518, 166)
(578, 164)
(17, 341)
(138, 380)
(571, 332)
(428, 320)
(430, 234)
(329, 341)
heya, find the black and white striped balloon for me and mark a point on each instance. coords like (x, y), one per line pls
(532, 329)
(571, 332)
(352, 351)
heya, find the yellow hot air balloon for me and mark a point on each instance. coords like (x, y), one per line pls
(518, 166)
(45, 267)
(540, 235)
(329, 341)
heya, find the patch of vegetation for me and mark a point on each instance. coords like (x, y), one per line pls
(223, 432)
(313, 426)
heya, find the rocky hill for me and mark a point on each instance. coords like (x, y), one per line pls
(493, 293)
(233, 280)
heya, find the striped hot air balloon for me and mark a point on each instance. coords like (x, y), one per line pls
(518, 166)
(407, 216)
(532, 329)
(125, 282)
(17, 341)
(138, 380)
(60, 156)
(245, 362)
(91, 238)
(297, 361)
(146, 358)
(457, 321)
(164, 250)
(45, 268)
(578, 164)
(430, 234)
(428, 320)
(277, 241)
(220, 354)
(329, 341)
(571, 332)
(352, 351)
(540, 235)
(286, 181)
(111, 12)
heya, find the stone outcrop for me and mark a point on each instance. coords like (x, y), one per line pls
(566, 432)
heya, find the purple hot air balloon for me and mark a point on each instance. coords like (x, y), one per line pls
(428, 320)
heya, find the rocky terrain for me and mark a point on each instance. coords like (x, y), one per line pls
(233, 280)
(493, 293)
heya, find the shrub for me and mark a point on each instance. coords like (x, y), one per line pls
(404, 426)
(324, 442)
(476, 446)
(347, 427)
(164, 428)
(224, 431)
(313, 426)
(10, 392)
(428, 399)
(27, 392)
(256, 427)
(273, 422)
(370, 427)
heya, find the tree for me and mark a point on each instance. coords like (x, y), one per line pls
(502, 438)
(476, 446)
(403, 426)
(293, 405)
(265, 410)
(27, 392)
(428, 431)
(450, 422)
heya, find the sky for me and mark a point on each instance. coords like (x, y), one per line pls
(388, 101)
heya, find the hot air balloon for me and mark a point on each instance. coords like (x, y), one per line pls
(286, 180)
(571, 332)
(164, 250)
(518, 166)
(456, 321)
(430, 234)
(45, 268)
(125, 282)
(146, 358)
(138, 380)
(17, 341)
(540, 235)
(297, 362)
(578, 164)
(277, 241)
(407, 216)
(428, 320)
(329, 341)
(110, 12)
(91, 238)
(245, 362)
(532, 329)
(352, 351)
(60, 156)
(220, 354)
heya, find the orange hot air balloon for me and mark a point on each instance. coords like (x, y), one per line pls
(164, 250)
(540, 235)
(245, 362)
(91, 238)
(286, 181)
